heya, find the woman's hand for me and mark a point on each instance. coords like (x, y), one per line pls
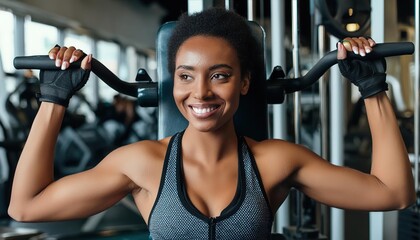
(58, 86)
(368, 75)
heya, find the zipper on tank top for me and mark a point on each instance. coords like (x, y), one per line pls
(212, 228)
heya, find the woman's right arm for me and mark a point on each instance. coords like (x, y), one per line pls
(34, 171)
(35, 195)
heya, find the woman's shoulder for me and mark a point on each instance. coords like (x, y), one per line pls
(141, 162)
(270, 145)
(144, 149)
(138, 154)
(276, 161)
(272, 152)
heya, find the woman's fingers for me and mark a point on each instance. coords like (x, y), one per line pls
(372, 42)
(359, 45)
(76, 55)
(86, 62)
(341, 51)
(53, 52)
(64, 56)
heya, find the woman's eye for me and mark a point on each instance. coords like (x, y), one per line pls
(219, 76)
(184, 77)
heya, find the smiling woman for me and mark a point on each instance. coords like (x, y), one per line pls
(208, 82)
(208, 180)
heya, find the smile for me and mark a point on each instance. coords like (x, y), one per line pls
(201, 110)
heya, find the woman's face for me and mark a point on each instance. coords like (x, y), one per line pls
(208, 82)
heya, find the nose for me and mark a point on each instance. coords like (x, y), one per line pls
(203, 89)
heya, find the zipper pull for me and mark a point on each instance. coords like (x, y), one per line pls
(212, 221)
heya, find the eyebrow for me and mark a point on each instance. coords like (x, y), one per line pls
(216, 66)
(220, 66)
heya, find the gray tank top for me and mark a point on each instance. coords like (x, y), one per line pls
(173, 216)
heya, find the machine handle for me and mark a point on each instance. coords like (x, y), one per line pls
(275, 86)
(43, 62)
(380, 50)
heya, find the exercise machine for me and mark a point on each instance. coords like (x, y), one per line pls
(345, 18)
(253, 108)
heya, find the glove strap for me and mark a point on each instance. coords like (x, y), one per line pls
(373, 85)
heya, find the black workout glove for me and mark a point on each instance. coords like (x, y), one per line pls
(368, 75)
(58, 86)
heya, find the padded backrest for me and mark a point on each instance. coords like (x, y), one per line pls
(251, 116)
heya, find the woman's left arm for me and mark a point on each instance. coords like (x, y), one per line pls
(390, 184)
(390, 162)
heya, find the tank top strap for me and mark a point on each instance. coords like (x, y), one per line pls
(168, 179)
(253, 175)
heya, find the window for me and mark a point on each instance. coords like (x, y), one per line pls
(6, 40)
(109, 55)
(39, 38)
(82, 42)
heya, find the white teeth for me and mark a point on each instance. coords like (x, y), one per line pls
(203, 110)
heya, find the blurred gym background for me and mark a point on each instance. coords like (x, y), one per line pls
(122, 34)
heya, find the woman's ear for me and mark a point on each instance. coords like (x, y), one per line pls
(246, 81)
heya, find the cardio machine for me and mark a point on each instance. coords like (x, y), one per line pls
(251, 118)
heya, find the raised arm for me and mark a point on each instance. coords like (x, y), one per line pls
(35, 195)
(390, 182)
(390, 162)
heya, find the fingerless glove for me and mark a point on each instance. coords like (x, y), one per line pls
(58, 86)
(368, 75)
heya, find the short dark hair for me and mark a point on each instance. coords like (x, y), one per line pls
(215, 22)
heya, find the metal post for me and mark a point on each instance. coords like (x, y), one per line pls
(296, 97)
(19, 35)
(376, 219)
(229, 4)
(324, 127)
(278, 58)
(296, 67)
(323, 108)
(337, 140)
(250, 11)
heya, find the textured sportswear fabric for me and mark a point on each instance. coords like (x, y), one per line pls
(173, 216)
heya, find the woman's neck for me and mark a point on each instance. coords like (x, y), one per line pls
(209, 146)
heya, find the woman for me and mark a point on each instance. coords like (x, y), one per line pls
(207, 181)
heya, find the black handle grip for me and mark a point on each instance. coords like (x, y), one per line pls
(39, 62)
(43, 62)
(330, 59)
(288, 85)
